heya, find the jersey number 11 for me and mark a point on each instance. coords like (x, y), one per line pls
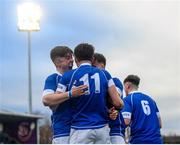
(95, 77)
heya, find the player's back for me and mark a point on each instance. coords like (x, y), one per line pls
(145, 126)
(89, 110)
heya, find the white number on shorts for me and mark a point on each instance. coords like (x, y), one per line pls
(96, 79)
(145, 106)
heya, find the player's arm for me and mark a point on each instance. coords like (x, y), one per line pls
(54, 99)
(113, 112)
(59, 97)
(127, 111)
(114, 95)
(127, 121)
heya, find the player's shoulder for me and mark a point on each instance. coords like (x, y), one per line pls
(106, 73)
(149, 97)
(69, 73)
(117, 81)
(128, 97)
(145, 95)
(132, 96)
(96, 69)
(52, 77)
(138, 95)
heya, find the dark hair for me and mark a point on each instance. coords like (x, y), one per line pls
(60, 51)
(100, 58)
(84, 51)
(134, 79)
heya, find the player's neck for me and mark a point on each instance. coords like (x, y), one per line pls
(83, 61)
(59, 70)
(133, 90)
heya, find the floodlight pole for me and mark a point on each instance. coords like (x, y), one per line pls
(28, 21)
(29, 72)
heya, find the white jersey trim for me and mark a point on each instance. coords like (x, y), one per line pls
(126, 115)
(132, 99)
(158, 114)
(61, 88)
(48, 91)
(134, 92)
(119, 91)
(110, 83)
(86, 63)
(59, 74)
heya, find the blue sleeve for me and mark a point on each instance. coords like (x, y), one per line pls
(119, 86)
(127, 109)
(118, 83)
(108, 77)
(50, 85)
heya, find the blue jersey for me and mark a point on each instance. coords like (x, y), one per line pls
(88, 111)
(117, 127)
(61, 115)
(143, 112)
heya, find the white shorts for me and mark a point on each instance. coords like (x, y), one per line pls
(90, 136)
(117, 140)
(61, 140)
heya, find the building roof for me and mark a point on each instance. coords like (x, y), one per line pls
(7, 114)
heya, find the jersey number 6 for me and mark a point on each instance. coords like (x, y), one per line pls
(145, 106)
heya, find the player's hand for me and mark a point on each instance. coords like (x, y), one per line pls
(113, 113)
(78, 91)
